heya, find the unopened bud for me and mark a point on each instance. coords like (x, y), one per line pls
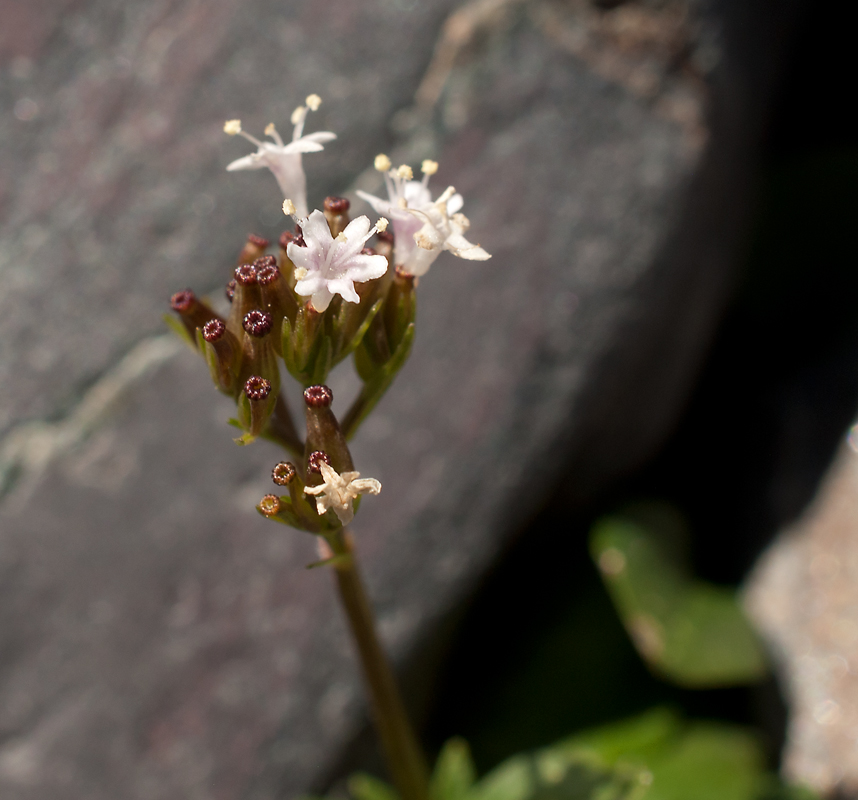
(337, 214)
(257, 323)
(254, 247)
(257, 388)
(283, 473)
(269, 505)
(193, 312)
(229, 291)
(245, 274)
(318, 396)
(315, 458)
(214, 330)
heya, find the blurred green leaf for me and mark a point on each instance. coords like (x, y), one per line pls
(690, 632)
(454, 773)
(365, 787)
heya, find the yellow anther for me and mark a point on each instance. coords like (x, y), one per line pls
(341, 237)
(429, 167)
(298, 115)
(382, 163)
(300, 273)
(232, 126)
(405, 172)
(270, 130)
(381, 225)
(313, 102)
(288, 207)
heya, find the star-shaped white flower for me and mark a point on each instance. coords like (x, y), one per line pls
(284, 160)
(326, 266)
(340, 491)
(422, 228)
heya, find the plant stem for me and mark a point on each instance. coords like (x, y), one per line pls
(404, 757)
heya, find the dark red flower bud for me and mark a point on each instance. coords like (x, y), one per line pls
(214, 330)
(183, 301)
(339, 205)
(315, 458)
(267, 274)
(318, 396)
(230, 290)
(368, 251)
(385, 236)
(257, 323)
(285, 238)
(245, 274)
(264, 261)
(283, 474)
(269, 505)
(257, 388)
(253, 248)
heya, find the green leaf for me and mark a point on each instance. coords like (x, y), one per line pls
(690, 632)
(709, 762)
(454, 773)
(365, 787)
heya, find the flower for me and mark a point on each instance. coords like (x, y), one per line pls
(340, 491)
(284, 160)
(325, 266)
(422, 228)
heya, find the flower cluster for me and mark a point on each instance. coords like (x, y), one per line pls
(335, 287)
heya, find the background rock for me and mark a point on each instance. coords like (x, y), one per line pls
(158, 637)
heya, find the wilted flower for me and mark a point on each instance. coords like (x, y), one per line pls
(340, 491)
(326, 265)
(284, 160)
(422, 228)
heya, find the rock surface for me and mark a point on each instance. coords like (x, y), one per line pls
(159, 639)
(803, 596)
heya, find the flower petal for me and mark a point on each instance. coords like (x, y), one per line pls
(344, 287)
(321, 299)
(316, 228)
(253, 161)
(366, 268)
(455, 204)
(378, 205)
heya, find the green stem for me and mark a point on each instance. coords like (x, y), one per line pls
(404, 757)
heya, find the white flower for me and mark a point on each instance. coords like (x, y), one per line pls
(422, 228)
(326, 266)
(340, 491)
(284, 160)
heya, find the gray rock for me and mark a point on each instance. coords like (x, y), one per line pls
(159, 639)
(802, 595)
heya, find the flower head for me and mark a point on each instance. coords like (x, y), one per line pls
(422, 227)
(340, 491)
(284, 160)
(325, 266)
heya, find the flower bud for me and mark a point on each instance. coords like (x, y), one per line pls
(276, 294)
(337, 214)
(247, 296)
(255, 404)
(296, 509)
(399, 308)
(258, 357)
(306, 350)
(323, 430)
(193, 312)
(254, 247)
(222, 353)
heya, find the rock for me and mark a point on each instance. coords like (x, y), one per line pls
(803, 596)
(159, 639)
